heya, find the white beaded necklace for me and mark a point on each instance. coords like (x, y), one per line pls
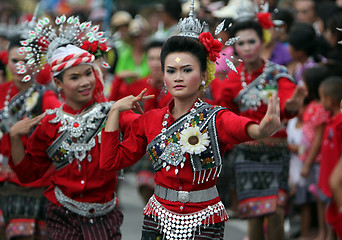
(186, 125)
(243, 78)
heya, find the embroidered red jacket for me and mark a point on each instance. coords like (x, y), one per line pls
(91, 184)
(231, 129)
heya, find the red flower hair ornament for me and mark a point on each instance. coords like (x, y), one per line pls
(264, 18)
(95, 48)
(213, 46)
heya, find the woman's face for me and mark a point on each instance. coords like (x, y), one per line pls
(13, 58)
(153, 61)
(182, 75)
(249, 45)
(78, 85)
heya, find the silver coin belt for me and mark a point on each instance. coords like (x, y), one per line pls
(182, 226)
(85, 209)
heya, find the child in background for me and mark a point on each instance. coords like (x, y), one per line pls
(314, 119)
(334, 210)
(330, 92)
(298, 184)
(294, 137)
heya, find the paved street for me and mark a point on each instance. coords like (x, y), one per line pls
(131, 206)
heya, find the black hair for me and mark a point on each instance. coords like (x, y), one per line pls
(325, 10)
(303, 37)
(173, 8)
(184, 44)
(285, 15)
(14, 42)
(333, 23)
(313, 78)
(332, 86)
(154, 44)
(245, 25)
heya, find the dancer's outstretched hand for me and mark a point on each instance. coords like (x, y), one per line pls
(131, 102)
(271, 123)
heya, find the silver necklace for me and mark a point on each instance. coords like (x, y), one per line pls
(78, 126)
(251, 97)
(21, 111)
(173, 154)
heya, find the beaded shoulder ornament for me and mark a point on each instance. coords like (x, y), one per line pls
(192, 27)
(43, 40)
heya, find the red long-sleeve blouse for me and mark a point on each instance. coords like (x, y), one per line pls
(90, 184)
(231, 129)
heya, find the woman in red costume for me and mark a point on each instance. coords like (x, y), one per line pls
(81, 198)
(18, 100)
(184, 141)
(261, 166)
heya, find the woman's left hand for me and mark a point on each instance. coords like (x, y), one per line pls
(271, 123)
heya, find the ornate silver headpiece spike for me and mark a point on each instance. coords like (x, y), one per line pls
(190, 26)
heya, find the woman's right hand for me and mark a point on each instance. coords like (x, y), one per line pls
(131, 102)
(24, 126)
(124, 104)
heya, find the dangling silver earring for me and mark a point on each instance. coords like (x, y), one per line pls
(165, 89)
(59, 93)
(203, 83)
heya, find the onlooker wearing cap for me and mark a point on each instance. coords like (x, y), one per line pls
(120, 22)
(283, 20)
(132, 62)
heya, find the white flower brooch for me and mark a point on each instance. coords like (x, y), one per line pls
(193, 141)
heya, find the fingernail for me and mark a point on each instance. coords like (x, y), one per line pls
(269, 119)
(138, 98)
(152, 96)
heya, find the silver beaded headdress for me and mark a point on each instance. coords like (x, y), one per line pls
(43, 40)
(190, 26)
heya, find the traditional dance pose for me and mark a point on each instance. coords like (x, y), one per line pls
(81, 198)
(185, 140)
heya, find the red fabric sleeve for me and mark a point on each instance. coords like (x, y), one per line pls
(285, 91)
(232, 129)
(334, 218)
(38, 163)
(126, 119)
(115, 155)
